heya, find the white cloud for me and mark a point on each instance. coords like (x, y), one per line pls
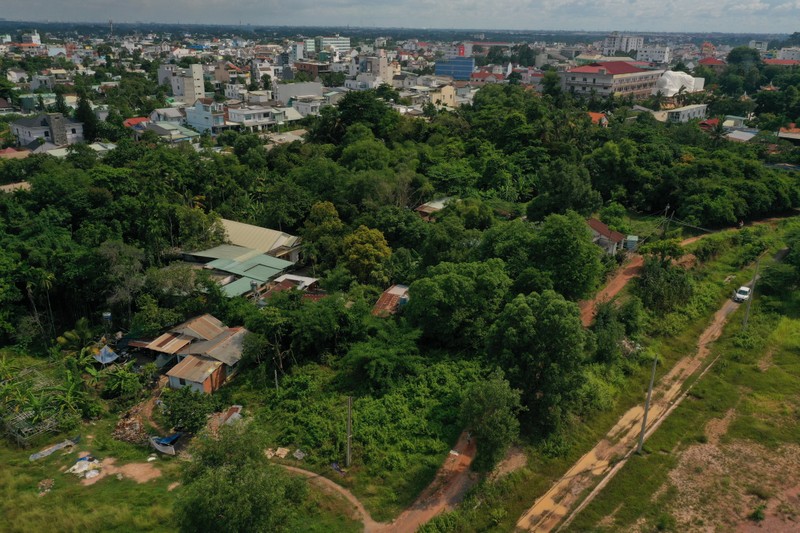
(769, 16)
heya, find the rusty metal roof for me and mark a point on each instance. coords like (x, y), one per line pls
(193, 368)
(225, 347)
(204, 327)
(169, 342)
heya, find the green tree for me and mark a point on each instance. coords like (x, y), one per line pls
(565, 250)
(234, 487)
(489, 410)
(539, 341)
(323, 232)
(562, 187)
(366, 255)
(455, 303)
(187, 409)
(85, 115)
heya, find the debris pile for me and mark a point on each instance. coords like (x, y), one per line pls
(86, 467)
(45, 486)
(130, 428)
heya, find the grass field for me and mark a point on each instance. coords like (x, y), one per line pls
(750, 398)
(113, 504)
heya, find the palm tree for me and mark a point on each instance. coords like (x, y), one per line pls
(72, 342)
(680, 96)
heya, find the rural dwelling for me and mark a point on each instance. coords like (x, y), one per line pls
(268, 241)
(427, 210)
(201, 374)
(207, 351)
(609, 240)
(391, 300)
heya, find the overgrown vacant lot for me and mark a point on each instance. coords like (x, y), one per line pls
(119, 502)
(728, 457)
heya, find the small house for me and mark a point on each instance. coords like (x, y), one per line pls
(609, 240)
(207, 353)
(391, 300)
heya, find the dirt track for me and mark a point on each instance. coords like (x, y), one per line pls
(448, 488)
(632, 269)
(599, 463)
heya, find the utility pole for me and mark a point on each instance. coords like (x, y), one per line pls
(666, 222)
(647, 405)
(752, 295)
(276, 379)
(349, 429)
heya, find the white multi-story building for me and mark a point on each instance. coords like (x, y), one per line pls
(338, 43)
(187, 84)
(620, 42)
(206, 115)
(616, 78)
(791, 54)
(653, 54)
(761, 46)
(31, 38)
(687, 113)
(308, 105)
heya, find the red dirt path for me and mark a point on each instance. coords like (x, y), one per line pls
(446, 490)
(632, 269)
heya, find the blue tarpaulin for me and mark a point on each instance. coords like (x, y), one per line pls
(106, 355)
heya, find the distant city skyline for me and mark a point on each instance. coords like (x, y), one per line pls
(725, 16)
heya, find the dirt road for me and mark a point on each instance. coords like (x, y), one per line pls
(370, 525)
(632, 269)
(602, 461)
(446, 490)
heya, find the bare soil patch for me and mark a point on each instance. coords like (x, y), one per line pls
(717, 427)
(720, 486)
(514, 460)
(139, 472)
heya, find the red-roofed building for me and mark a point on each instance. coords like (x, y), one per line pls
(790, 133)
(485, 77)
(136, 123)
(599, 119)
(609, 240)
(618, 78)
(782, 62)
(717, 65)
(390, 300)
(709, 124)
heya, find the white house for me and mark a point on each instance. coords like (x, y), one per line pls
(687, 113)
(51, 127)
(16, 75)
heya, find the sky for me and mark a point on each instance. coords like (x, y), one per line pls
(728, 16)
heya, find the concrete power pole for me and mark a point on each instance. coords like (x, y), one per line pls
(647, 405)
(349, 429)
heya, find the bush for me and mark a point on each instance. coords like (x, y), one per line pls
(187, 409)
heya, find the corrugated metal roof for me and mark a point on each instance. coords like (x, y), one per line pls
(262, 239)
(169, 342)
(193, 368)
(226, 347)
(237, 288)
(204, 327)
(228, 251)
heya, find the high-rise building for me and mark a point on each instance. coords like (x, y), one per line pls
(620, 42)
(338, 43)
(459, 68)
